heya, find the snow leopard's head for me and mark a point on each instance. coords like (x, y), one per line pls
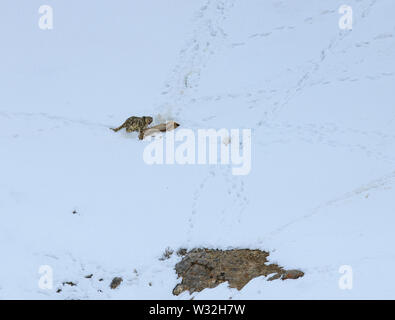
(147, 120)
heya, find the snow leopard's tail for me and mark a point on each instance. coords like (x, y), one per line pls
(117, 129)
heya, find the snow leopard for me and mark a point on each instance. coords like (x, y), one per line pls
(138, 124)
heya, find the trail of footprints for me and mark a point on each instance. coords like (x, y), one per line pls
(207, 38)
(371, 143)
(384, 182)
(235, 196)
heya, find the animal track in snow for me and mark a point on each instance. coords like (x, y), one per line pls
(207, 38)
(371, 143)
(382, 182)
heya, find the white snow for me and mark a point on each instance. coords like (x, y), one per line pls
(319, 101)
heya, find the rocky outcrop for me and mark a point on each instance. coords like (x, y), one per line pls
(207, 268)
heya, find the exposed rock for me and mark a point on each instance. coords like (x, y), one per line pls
(167, 254)
(207, 268)
(116, 282)
(292, 274)
(274, 277)
(182, 252)
(179, 289)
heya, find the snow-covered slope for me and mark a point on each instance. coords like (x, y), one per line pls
(319, 101)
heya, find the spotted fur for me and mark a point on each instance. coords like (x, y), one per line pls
(133, 124)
